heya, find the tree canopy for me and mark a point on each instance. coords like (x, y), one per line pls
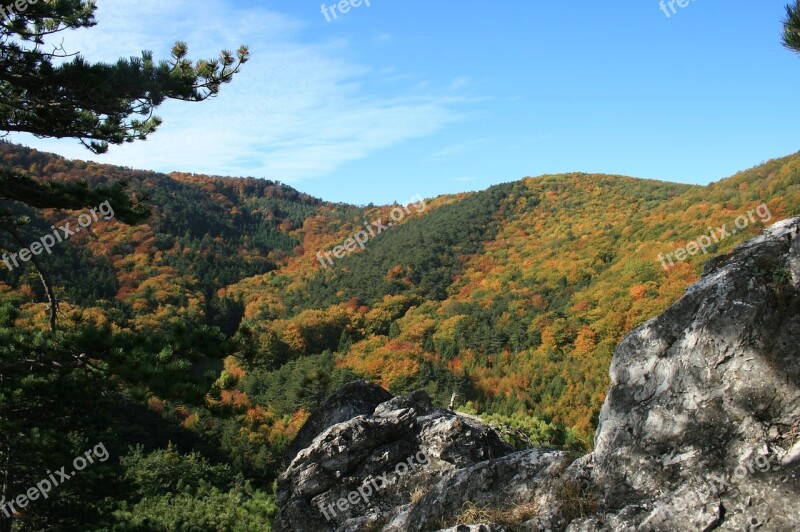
(58, 93)
(46, 414)
(791, 27)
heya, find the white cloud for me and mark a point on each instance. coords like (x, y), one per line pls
(457, 149)
(297, 111)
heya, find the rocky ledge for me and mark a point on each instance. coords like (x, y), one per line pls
(700, 431)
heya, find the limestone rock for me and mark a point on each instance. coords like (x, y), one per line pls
(399, 451)
(704, 407)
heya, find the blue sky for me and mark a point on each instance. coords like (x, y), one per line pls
(404, 97)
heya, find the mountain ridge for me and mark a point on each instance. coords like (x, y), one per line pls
(514, 297)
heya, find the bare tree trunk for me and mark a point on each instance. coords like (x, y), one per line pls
(44, 278)
(51, 295)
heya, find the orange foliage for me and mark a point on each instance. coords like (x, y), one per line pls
(232, 367)
(638, 292)
(585, 343)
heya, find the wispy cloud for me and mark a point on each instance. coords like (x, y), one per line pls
(298, 110)
(455, 149)
(459, 83)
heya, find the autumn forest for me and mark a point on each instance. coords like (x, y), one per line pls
(207, 330)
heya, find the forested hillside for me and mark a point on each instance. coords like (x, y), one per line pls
(212, 329)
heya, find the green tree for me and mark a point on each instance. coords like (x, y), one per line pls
(56, 93)
(41, 429)
(100, 104)
(177, 491)
(791, 27)
(55, 390)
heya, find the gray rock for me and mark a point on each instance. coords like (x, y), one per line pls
(526, 477)
(354, 399)
(398, 451)
(703, 400)
(477, 528)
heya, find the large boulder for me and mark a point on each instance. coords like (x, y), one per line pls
(393, 455)
(357, 398)
(701, 426)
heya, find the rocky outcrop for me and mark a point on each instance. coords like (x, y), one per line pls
(363, 472)
(700, 431)
(357, 398)
(701, 426)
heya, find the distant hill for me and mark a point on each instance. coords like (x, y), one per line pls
(515, 297)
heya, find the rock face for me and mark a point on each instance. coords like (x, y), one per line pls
(358, 398)
(364, 472)
(700, 431)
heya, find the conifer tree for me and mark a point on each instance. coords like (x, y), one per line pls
(58, 93)
(791, 27)
(49, 91)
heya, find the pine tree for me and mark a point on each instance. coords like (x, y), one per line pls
(55, 389)
(59, 94)
(791, 27)
(43, 93)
